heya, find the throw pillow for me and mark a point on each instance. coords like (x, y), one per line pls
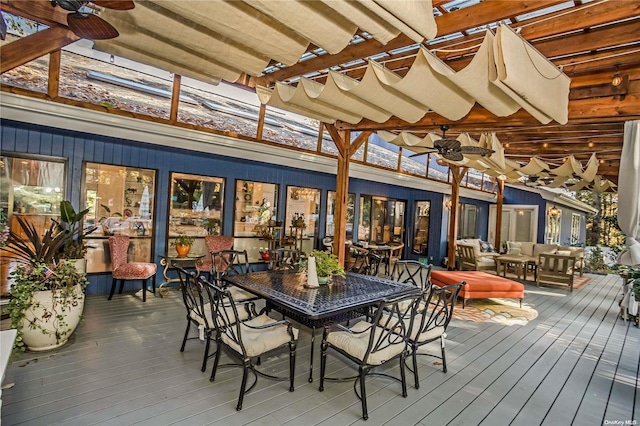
(563, 253)
(513, 247)
(486, 247)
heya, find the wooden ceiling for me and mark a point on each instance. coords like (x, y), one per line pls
(590, 40)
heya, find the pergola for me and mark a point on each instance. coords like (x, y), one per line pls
(262, 43)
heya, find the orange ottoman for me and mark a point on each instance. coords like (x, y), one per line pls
(480, 285)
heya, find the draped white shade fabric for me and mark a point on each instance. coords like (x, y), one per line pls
(629, 193)
(506, 74)
(498, 166)
(214, 40)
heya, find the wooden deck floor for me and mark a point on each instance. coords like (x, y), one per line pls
(577, 363)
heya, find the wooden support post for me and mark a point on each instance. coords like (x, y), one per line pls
(346, 148)
(175, 98)
(263, 112)
(457, 174)
(31, 47)
(500, 193)
(399, 159)
(320, 134)
(53, 82)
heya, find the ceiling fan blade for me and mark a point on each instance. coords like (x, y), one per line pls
(453, 144)
(3, 27)
(476, 150)
(417, 154)
(91, 27)
(115, 4)
(453, 156)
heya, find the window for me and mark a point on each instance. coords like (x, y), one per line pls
(381, 219)
(576, 221)
(331, 208)
(195, 208)
(554, 216)
(467, 214)
(254, 226)
(121, 201)
(421, 228)
(301, 225)
(31, 188)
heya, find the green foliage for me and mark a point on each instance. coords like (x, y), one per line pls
(326, 264)
(61, 280)
(183, 240)
(35, 250)
(70, 223)
(595, 261)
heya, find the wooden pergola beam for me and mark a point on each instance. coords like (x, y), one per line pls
(28, 48)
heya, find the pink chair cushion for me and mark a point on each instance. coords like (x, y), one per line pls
(135, 271)
(214, 243)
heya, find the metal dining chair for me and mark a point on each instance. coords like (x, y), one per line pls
(249, 340)
(231, 262)
(285, 259)
(214, 243)
(411, 271)
(372, 344)
(123, 270)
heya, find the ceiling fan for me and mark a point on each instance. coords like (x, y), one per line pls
(535, 180)
(89, 25)
(452, 150)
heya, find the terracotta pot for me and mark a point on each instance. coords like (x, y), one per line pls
(183, 250)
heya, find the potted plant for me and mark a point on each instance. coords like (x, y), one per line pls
(70, 223)
(327, 265)
(47, 294)
(183, 244)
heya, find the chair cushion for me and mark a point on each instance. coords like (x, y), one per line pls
(356, 344)
(135, 271)
(242, 314)
(544, 248)
(258, 341)
(239, 294)
(526, 248)
(563, 252)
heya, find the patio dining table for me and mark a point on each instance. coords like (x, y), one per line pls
(340, 300)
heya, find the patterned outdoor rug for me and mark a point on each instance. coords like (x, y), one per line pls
(502, 311)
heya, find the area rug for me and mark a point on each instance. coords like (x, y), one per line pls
(502, 311)
(577, 280)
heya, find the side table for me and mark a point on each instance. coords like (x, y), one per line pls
(169, 262)
(518, 260)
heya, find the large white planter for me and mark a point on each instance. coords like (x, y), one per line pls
(51, 332)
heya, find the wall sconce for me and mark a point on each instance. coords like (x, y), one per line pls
(447, 204)
(617, 79)
(554, 212)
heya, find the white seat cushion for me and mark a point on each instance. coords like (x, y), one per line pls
(356, 344)
(258, 341)
(242, 313)
(239, 294)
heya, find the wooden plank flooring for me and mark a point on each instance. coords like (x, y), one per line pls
(576, 363)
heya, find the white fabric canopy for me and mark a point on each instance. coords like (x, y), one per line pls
(215, 39)
(629, 193)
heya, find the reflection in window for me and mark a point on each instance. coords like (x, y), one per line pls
(195, 208)
(255, 228)
(290, 129)
(468, 214)
(121, 201)
(382, 220)
(575, 229)
(331, 219)
(421, 228)
(301, 225)
(554, 215)
(32, 190)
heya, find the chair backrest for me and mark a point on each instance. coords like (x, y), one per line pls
(214, 243)
(392, 328)
(194, 295)
(364, 261)
(437, 309)
(225, 317)
(327, 243)
(396, 252)
(118, 246)
(467, 256)
(556, 268)
(283, 259)
(412, 271)
(229, 262)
